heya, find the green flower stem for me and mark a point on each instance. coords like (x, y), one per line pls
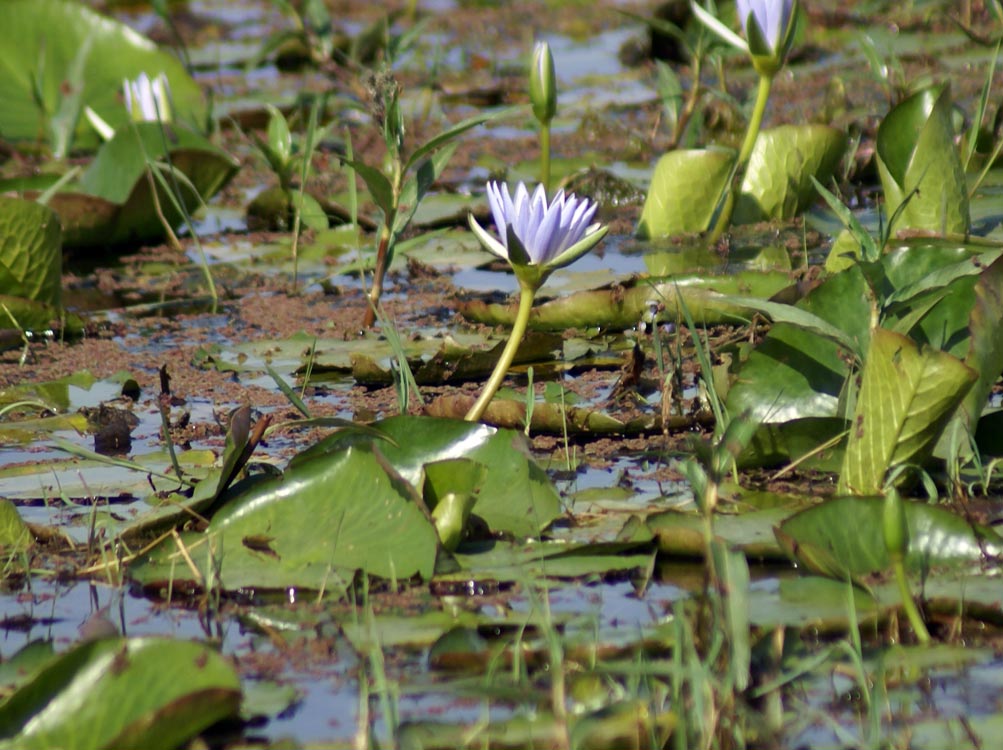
(756, 121)
(908, 604)
(545, 156)
(751, 134)
(526, 294)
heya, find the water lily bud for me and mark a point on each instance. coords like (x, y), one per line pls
(769, 29)
(894, 526)
(543, 84)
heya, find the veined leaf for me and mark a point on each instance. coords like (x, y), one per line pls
(907, 394)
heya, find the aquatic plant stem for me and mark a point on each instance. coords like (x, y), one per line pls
(751, 134)
(545, 156)
(382, 261)
(908, 604)
(756, 121)
(526, 294)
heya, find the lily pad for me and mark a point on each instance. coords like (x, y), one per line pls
(624, 306)
(50, 46)
(113, 202)
(777, 183)
(685, 189)
(847, 531)
(327, 516)
(138, 692)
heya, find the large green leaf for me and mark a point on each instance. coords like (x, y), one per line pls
(907, 394)
(916, 152)
(137, 692)
(14, 534)
(113, 202)
(330, 514)
(42, 45)
(30, 265)
(985, 344)
(685, 189)
(778, 179)
(31, 259)
(795, 374)
(515, 497)
(848, 531)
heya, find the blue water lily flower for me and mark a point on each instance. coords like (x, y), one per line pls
(768, 26)
(772, 17)
(148, 100)
(537, 237)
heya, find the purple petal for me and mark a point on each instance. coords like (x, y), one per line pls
(497, 202)
(547, 236)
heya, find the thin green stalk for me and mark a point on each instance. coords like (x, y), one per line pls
(311, 143)
(526, 295)
(756, 121)
(545, 156)
(908, 604)
(751, 134)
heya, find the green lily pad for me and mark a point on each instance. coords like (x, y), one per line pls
(308, 528)
(685, 189)
(137, 692)
(777, 183)
(515, 497)
(624, 306)
(72, 57)
(848, 532)
(113, 202)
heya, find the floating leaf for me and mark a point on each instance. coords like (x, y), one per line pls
(137, 692)
(328, 515)
(848, 530)
(622, 307)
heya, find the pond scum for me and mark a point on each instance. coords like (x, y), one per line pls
(740, 494)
